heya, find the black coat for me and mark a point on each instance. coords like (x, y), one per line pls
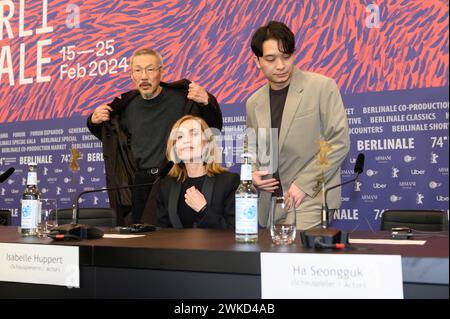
(219, 192)
(120, 165)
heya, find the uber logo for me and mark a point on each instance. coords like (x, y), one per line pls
(377, 185)
(417, 172)
(442, 198)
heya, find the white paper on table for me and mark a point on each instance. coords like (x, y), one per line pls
(121, 236)
(387, 241)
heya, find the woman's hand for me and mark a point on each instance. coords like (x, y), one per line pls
(194, 199)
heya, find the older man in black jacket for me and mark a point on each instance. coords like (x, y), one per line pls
(135, 127)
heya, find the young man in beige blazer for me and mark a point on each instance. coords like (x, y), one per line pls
(303, 108)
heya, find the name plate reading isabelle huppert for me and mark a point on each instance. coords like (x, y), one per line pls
(40, 264)
(331, 276)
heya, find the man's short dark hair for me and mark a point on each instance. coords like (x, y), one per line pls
(277, 31)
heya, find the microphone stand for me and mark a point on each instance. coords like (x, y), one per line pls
(325, 211)
(76, 208)
(323, 236)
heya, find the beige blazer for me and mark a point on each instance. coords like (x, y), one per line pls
(313, 110)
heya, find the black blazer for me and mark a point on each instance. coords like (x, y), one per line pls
(219, 191)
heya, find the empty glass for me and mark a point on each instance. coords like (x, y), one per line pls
(282, 221)
(48, 216)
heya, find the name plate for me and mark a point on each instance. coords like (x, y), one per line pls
(40, 264)
(330, 276)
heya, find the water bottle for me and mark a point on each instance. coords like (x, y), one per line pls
(246, 230)
(30, 203)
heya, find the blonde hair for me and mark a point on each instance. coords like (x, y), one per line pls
(211, 160)
(147, 51)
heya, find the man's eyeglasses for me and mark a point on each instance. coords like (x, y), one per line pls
(148, 71)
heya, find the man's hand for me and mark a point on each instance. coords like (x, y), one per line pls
(194, 199)
(269, 185)
(101, 114)
(296, 194)
(197, 94)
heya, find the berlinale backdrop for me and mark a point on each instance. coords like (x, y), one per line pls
(61, 59)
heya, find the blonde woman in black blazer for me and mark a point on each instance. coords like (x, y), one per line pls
(198, 192)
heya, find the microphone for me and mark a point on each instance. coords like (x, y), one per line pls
(359, 167)
(80, 231)
(324, 237)
(5, 175)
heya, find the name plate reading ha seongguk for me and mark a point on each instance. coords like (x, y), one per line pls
(330, 276)
(40, 264)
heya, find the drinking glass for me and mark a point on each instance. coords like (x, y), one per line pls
(282, 221)
(48, 216)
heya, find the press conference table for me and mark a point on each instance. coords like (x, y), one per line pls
(198, 263)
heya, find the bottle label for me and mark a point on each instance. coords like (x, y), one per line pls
(246, 172)
(247, 215)
(32, 178)
(30, 213)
